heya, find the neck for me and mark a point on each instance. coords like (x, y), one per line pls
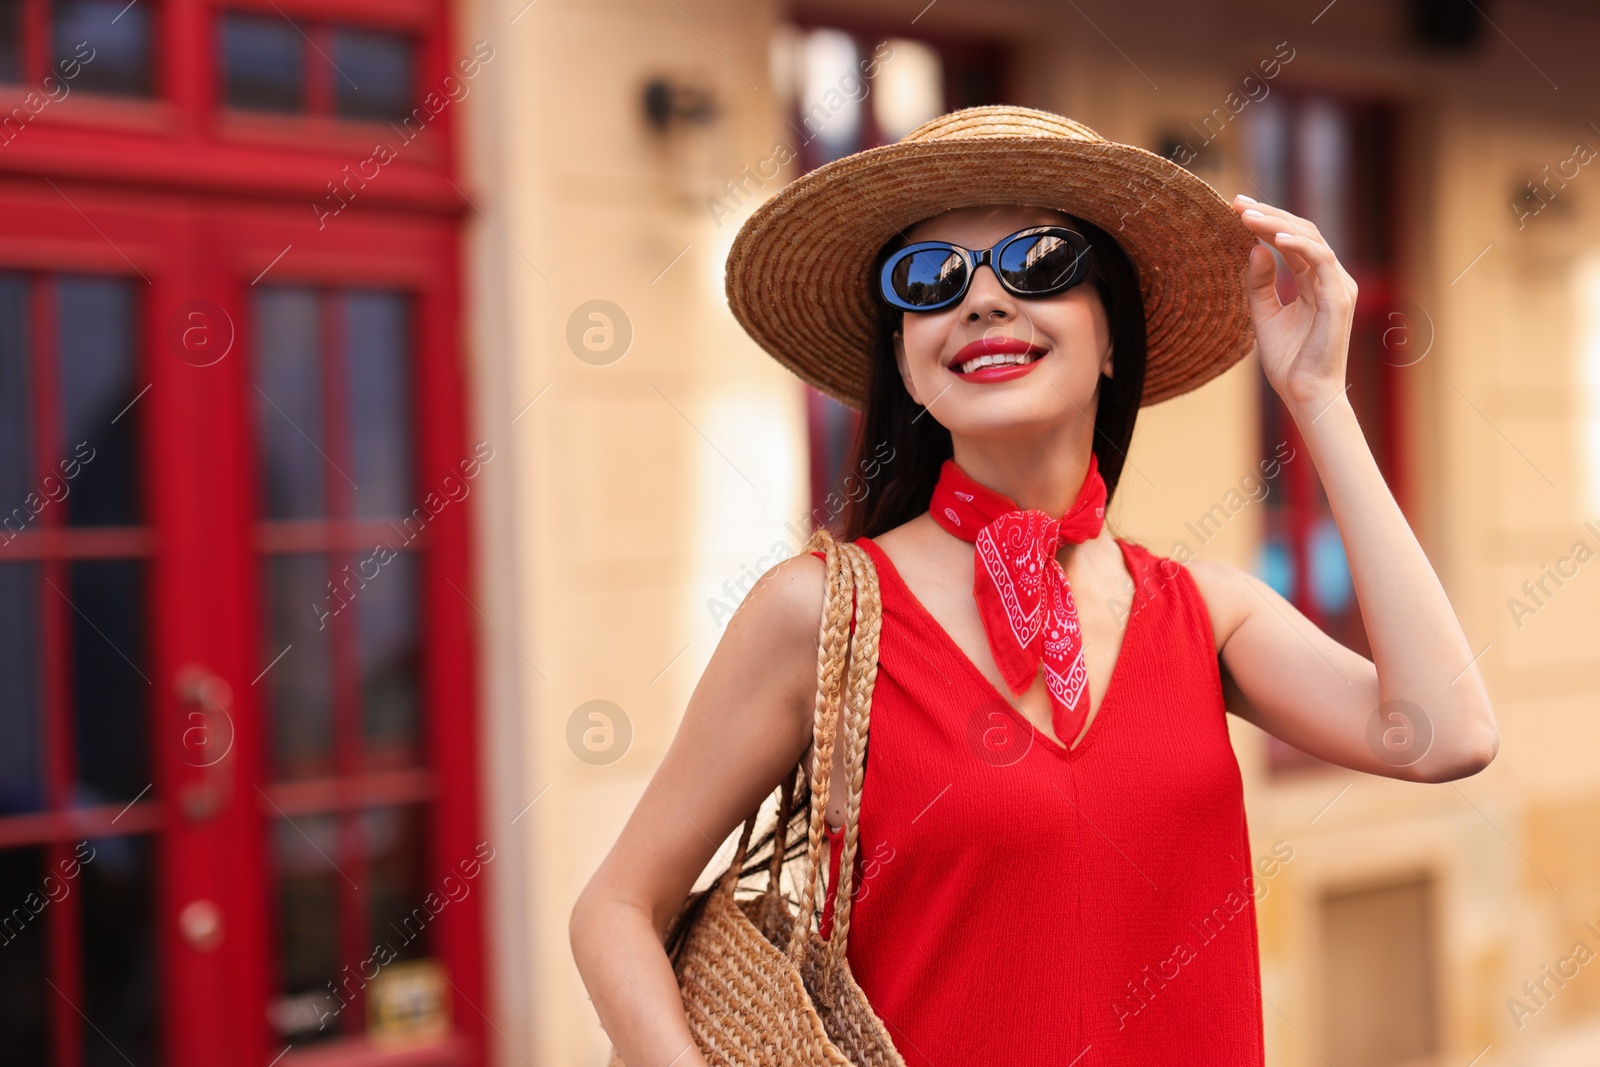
(1041, 471)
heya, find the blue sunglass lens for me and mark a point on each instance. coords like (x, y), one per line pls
(927, 277)
(1039, 263)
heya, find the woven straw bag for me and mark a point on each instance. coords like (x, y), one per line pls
(759, 984)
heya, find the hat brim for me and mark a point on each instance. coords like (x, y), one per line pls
(797, 273)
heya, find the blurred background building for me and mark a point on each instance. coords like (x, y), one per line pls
(379, 464)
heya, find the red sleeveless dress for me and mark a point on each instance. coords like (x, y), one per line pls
(1020, 904)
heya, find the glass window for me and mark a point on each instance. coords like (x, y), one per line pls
(111, 41)
(21, 719)
(118, 951)
(309, 1005)
(300, 605)
(398, 916)
(263, 63)
(908, 91)
(24, 1011)
(16, 403)
(380, 402)
(99, 419)
(376, 69)
(289, 403)
(10, 40)
(69, 391)
(344, 632)
(390, 651)
(110, 678)
(831, 92)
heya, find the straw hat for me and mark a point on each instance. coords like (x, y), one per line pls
(798, 273)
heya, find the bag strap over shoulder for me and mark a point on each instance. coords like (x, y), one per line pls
(838, 587)
(852, 589)
(847, 668)
(860, 681)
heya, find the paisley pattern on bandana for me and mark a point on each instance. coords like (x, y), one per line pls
(1023, 597)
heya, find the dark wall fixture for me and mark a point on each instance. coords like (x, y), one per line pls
(666, 102)
(1446, 25)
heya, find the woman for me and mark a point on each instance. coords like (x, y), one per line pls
(1054, 865)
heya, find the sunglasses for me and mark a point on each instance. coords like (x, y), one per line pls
(1036, 262)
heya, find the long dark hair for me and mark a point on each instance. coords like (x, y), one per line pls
(898, 489)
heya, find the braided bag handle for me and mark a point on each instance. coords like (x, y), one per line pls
(861, 679)
(832, 654)
(857, 580)
(847, 669)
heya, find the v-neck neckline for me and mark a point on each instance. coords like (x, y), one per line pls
(1070, 754)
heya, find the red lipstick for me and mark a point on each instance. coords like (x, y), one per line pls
(999, 371)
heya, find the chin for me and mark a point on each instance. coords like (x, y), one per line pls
(1021, 405)
(1006, 416)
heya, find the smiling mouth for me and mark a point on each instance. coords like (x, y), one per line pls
(996, 359)
(997, 352)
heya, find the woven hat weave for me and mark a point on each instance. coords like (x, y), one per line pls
(798, 274)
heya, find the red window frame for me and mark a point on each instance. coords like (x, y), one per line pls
(53, 547)
(198, 207)
(403, 254)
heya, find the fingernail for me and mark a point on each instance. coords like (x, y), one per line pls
(1251, 213)
(1241, 196)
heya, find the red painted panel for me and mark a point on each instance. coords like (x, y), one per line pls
(194, 204)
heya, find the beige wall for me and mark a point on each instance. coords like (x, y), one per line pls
(635, 490)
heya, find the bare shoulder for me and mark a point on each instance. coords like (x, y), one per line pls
(1228, 593)
(785, 604)
(789, 592)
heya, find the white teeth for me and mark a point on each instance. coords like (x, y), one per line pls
(990, 359)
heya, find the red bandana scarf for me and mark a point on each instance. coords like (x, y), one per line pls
(1022, 593)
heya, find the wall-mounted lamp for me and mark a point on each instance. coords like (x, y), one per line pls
(667, 102)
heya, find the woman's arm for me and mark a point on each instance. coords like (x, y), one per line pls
(746, 725)
(1422, 684)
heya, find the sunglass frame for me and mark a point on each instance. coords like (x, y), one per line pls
(975, 258)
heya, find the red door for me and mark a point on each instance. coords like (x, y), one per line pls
(238, 821)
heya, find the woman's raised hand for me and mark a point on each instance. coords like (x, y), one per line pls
(1304, 344)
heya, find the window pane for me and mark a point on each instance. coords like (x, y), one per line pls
(300, 684)
(21, 736)
(110, 672)
(398, 914)
(98, 384)
(380, 402)
(830, 95)
(288, 403)
(110, 39)
(16, 405)
(119, 966)
(24, 1009)
(10, 40)
(308, 930)
(387, 608)
(263, 60)
(909, 91)
(375, 69)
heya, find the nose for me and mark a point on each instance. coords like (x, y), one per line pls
(986, 298)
